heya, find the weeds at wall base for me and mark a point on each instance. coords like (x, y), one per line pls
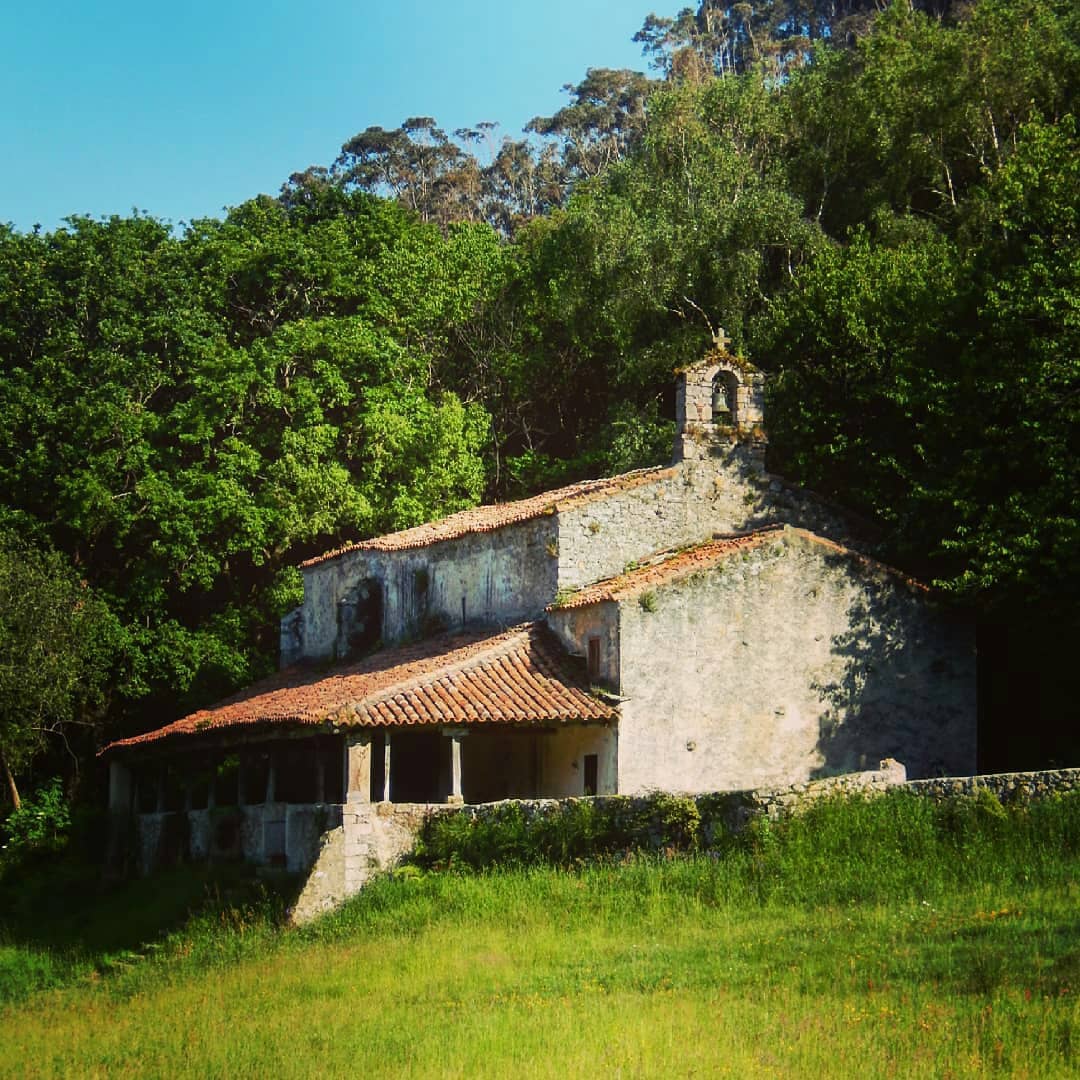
(837, 849)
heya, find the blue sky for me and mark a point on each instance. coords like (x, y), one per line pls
(182, 109)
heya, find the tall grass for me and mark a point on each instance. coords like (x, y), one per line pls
(882, 937)
(846, 847)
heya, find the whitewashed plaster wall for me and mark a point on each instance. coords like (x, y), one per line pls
(786, 663)
(498, 578)
(563, 764)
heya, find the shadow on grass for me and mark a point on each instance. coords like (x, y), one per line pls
(61, 919)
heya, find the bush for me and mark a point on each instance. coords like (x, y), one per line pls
(41, 823)
(560, 834)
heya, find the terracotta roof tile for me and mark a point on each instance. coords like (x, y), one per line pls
(482, 519)
(665, 567)
(518, 676)
(671, 565)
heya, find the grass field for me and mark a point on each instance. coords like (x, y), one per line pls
(885, 939)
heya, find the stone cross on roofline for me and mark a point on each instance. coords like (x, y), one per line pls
(721, 340)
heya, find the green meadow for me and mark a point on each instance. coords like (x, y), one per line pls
(892, 937)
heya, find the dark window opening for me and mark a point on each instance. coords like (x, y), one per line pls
(332, 752)
(299, 765)
(147, 791)
(175, 781)
(360, 618)
(418, 760)
(501, 764)
(592, 768)
(200, 792)
(295, 771)
(594, 657)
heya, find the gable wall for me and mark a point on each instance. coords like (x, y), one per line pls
(787, 663)
(575, 626)
(725, 491)
(683, 505)
(505, 577)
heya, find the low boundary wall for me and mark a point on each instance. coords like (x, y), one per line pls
(374, 837)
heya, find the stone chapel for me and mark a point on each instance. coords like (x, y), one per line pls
(703, 626)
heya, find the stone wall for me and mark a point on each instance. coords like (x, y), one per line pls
(498, 578)
(787, 662)
(684, 505)
(375, 837)
(261, 834)
(1006, 786)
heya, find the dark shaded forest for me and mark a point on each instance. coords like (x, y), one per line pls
(878, 203)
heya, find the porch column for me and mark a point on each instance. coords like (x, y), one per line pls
(271, 778)
(456, 735)
(121, 796)
(386, 768)
(358, 767)
(120, 789)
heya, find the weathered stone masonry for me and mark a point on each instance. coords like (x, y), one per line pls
(668, 629)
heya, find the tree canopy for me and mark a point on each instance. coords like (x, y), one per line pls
(879, 206)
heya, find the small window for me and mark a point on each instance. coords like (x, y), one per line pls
(592, 767)
(594, 657)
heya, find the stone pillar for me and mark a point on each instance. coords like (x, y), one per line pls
(271, 779)
(456, 735)
(386, 769)
(120, 788)
(121, 794)
(320, 777)
(358, 767)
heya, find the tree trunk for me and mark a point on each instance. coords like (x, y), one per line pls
(16, 802)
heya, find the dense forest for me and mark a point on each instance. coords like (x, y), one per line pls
(879, 204)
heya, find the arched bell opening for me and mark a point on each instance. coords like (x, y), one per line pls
(725, 399)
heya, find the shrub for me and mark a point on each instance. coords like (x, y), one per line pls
(42, 821)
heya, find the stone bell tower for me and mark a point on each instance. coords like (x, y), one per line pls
(718, 401)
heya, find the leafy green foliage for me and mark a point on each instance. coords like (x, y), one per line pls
(879, 207)
(188, 416)
(40, 823)
(57, 641)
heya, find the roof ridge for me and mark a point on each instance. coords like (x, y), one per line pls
(482, 518)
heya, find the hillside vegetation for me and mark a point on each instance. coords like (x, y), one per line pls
(879, 207)
(884, 937)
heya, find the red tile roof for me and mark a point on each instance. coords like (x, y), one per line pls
(665, 567)
(670, 566)
(515, 677)
(482, 519)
